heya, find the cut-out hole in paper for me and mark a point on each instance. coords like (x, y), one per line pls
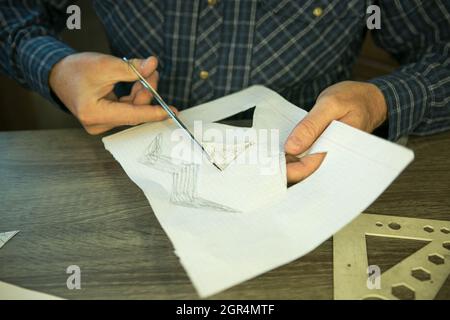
(243, 119)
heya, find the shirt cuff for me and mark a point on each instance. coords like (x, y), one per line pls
(407, 97)
(37, 56)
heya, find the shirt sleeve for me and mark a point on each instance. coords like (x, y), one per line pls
(29, 46)
(417, 34)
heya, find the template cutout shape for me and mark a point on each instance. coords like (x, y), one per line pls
(419, 276)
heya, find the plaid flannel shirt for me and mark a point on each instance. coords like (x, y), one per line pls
(290, 46)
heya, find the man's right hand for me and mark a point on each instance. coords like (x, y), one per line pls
(84, 82)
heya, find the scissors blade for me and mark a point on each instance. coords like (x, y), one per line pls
(169, 111)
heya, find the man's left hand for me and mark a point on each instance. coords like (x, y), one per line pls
(358, 104)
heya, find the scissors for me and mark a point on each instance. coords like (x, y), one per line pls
(171, 114)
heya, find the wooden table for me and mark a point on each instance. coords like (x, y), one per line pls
(75, 205)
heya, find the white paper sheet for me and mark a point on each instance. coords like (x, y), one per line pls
(220, 249)
(11, 292)
(171, 160)
(6, 236)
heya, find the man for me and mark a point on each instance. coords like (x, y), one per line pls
(209, 48)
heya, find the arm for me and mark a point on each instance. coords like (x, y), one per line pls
(31, 54)
(417, 34)
(415, 99)
(29, 47)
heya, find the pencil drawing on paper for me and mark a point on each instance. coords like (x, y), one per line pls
(184, 178)
(224, 154)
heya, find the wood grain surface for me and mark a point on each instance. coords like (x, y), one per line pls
(75, 205)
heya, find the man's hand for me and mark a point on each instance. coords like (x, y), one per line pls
(84, 82)
(360, 105)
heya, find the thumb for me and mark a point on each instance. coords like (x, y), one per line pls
(309, 129)
(120, 71)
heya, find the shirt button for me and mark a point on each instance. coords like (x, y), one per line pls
(204, 74)
(318, 11)
(212, 2)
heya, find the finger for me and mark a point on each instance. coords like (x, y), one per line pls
(137, 86)
(290, 158)
(140, 95)
(148, 71)
(310, 128)
(143, 96)
(119, 70)
(148, 66)
(95, 130)
(356, 120)
(175, 110)
(304, 167)
(119, 113)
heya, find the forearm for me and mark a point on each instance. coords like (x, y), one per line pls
(418, 94)
(28, 44)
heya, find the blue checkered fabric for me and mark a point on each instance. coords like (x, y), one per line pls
(287, 45)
